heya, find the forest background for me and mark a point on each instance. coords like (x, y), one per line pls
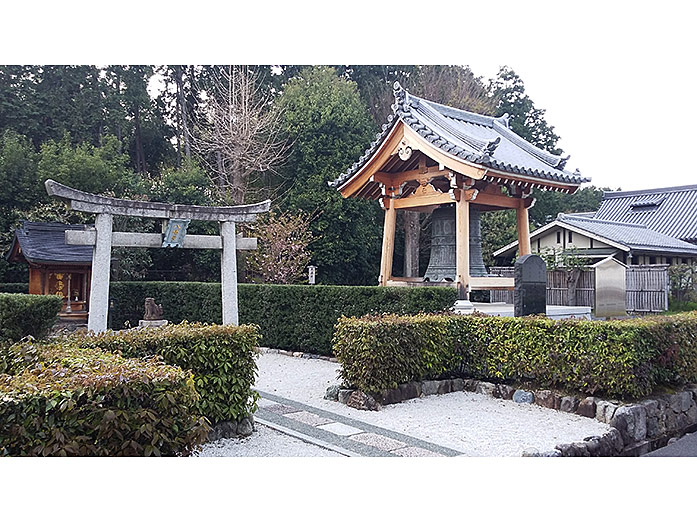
(225, 135)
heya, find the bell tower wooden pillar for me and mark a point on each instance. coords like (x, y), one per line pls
(523, 228)
(387, 242)
(462, 245)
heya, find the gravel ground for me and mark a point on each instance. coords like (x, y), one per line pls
(264, 442)
(474, 424)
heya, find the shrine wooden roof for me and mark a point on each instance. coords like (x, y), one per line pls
(484, 146)
(44, 244)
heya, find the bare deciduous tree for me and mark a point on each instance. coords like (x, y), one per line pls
(282, 255)
(240, 137)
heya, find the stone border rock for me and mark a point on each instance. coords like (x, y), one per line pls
(635, 428)
(232, 429)
(297, 354)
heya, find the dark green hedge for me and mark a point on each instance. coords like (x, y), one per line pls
(222, 358)
(77, 401)
(291, 317)
(27, 315)
(15, 288)
(623, 358)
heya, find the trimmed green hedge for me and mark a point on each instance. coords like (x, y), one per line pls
(291, 317)
(77, 401)
(27, 315)
(14, 288)
(624, 358)
(222, 358)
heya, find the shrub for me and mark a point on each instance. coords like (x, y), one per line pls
(79, 401)
(27, 315)
(683, 283)
(625, 358)
(15, 288)
(291, 317)
(222, 358)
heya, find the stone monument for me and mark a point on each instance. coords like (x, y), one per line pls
(610, 288)
(530, 292)
(153, 315)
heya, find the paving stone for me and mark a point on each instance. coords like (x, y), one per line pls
(308, 418)
(378, 441)
(262, 403)
(281, 409)
(340, 429)
(416, 452)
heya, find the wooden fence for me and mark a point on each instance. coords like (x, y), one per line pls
(647, 288)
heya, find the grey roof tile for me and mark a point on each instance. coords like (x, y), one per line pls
(484, 140)
(45, 243)
(670, 210)
(634, 236)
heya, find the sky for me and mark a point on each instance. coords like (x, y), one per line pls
(616, 79)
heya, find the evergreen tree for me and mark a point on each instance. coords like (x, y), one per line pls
(330, 127)
(526, 120)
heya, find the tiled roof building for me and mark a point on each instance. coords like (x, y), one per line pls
(642, 227)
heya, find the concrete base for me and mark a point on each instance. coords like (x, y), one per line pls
(554, 312)
(463, 307)
(146, 324)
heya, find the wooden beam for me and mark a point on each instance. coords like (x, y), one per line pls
(387, 244)
(491, 283)
(462, 247)
(448, 160)
(423, 200)
(523, 229)
(397, 179)
(497, 200)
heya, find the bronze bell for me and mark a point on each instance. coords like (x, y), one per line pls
(442, 265)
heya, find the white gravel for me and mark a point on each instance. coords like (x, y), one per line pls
(474, 424)
(264, 442)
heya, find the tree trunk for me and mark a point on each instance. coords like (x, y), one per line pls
(572, 277)
(140, 154)
(183, 113)
(412, 230)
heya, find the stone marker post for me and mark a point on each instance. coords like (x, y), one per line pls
(530, 292)
(610, 288)
(228, 273)
(101, 269)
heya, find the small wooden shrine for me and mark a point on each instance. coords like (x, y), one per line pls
(430, 156)
(55, 267)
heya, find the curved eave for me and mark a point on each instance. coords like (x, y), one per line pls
(385, 150)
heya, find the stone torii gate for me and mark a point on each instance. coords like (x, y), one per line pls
(103, 238)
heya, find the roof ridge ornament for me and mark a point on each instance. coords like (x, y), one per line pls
(562, 162)
(489, 147)
(399, 92)
(504, 119)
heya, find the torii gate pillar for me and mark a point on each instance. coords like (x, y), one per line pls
(101, 274)
(228, 273)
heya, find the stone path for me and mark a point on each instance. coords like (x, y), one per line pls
(343, 435)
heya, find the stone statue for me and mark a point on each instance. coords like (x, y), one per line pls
(153, 311)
